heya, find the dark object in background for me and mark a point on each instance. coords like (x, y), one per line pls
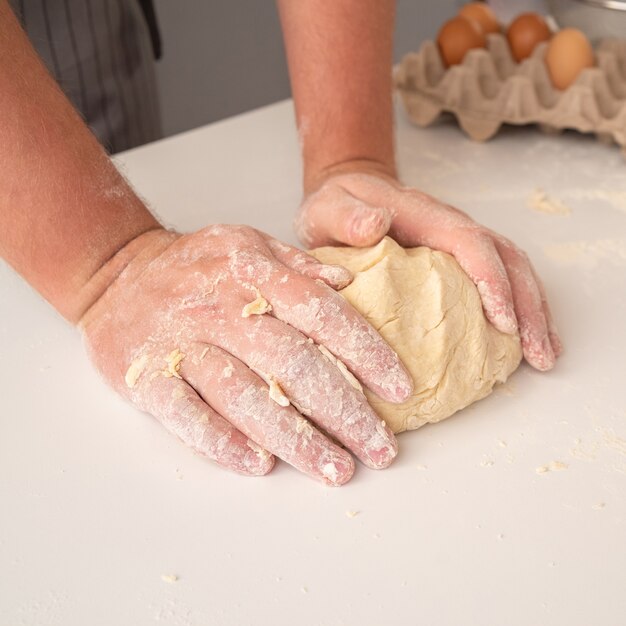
(101, 53)
(147, 6)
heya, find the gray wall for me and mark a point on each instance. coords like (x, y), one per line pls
(224, 57)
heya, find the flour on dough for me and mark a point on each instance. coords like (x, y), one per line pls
(430, 312)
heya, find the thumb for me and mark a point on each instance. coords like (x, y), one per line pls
(333, 215)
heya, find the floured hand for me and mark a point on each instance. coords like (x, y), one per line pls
(227, 336)
(360, 208)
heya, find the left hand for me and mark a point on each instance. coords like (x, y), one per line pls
(358, 208)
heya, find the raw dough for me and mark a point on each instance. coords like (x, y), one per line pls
(430, 312)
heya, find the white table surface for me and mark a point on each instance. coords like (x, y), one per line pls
(98, 502)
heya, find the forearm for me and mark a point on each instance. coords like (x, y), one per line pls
(64, 209)
(340, 59)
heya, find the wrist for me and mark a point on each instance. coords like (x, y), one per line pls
(314, 178)
(129, 260)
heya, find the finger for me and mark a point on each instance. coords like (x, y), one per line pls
(179, 408)
(479, 258)
(333, 215)
(334, 276)
(322, 314)
(325, 316)
(427, 222)
(237, 393)
(533, 325)
(314, 385)
(422, 220)
(553, 332)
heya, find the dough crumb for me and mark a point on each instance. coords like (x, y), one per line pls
(304, 427)
(330, 471)
(260, 452)
(304, 590)
(301, 409)
(540, 201)
(173, 360)
(169, 578)
(203, 353)
(277, 394)
(352, 514)
(227, 372)
(258, 306)
(553, 466)
(599, 506)
(347, 374)
(135, 370)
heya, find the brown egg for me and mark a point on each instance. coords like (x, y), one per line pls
(481, 13)
(456, 37)
(568, 54)
(525, 32)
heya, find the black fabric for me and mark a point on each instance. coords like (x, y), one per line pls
(101, 53)
(147, 6)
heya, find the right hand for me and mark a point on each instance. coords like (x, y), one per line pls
(168, 334)
(355, 206)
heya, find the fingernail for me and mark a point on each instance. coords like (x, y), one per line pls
(337, 470)
(258, 461)
(541, 356)
(370, 224)
(382, 448)
(337, 275)
(557, 346)
(547, 349)
(555, 339)
(398, 383)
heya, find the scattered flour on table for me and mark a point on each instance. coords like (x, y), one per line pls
(540, 201)
(588, 253)
(169, 578)
(603, 445)
(553, 466)
(617, 199)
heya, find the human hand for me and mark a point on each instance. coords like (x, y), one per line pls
(359, 208)
(170, 335)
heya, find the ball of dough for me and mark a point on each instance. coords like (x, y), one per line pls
(430, 312)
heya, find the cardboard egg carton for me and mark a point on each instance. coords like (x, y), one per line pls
(489, 89)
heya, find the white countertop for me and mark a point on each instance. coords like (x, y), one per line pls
(98, 501)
